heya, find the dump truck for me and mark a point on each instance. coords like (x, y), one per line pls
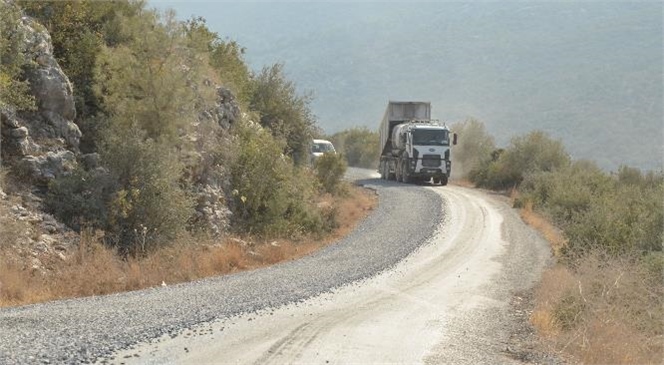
(414, 147)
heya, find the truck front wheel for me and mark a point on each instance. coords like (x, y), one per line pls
(405, 177)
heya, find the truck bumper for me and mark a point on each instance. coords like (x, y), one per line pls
(428, 173)
(423, 171)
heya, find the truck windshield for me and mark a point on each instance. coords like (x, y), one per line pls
(430, 137)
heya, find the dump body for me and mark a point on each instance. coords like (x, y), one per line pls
(398, 112)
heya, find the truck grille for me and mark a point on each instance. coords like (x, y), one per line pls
(431, 160)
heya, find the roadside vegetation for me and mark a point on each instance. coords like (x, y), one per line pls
(359, 146)
(142, 80)
(603, 300)
(95, 268)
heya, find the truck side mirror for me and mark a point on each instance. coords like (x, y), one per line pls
(454, 139)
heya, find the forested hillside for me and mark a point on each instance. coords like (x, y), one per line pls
(587, 73)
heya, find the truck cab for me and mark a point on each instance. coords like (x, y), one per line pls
(423, 151)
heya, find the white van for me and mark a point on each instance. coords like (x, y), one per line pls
(319, 147)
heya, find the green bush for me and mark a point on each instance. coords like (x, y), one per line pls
(79, 200)
(272, 196)
(149, 206)
(78, 30)
(359, 146)
(14, 89)
(532, 153)
(283, 112)
(330, 169)
(619, 214)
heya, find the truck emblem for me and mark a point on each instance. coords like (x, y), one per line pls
(431, 149)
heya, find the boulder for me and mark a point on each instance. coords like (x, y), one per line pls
(44, 168)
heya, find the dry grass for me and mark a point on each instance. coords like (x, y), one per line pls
(96, 270)
(606, 311)
(552, 234)
(598, 309)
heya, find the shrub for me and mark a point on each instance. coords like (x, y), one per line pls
(285, 113)
(272, 196)
(330, 169)
(359, 146)
(147, 85)
(79, 199)
(148, 206)
(14, 89)
(78, 29)
(534, 152)
(622, 213)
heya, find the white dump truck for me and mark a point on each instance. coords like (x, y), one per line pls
(414, 147)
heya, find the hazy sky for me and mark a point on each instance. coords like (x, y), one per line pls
(589, 73)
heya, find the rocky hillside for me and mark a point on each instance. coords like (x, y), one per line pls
(42, 145)
(144, 131)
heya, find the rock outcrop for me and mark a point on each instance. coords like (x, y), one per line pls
(43, 144)
(212, 183)
(40, 145)
(43, 141)
(51, 88)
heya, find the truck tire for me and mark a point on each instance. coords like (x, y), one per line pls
(443, 181)
(404, 172)
(436, 180)
(397, 172)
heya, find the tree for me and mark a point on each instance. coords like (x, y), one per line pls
(285, 113)
(79, 29)
(153, 81)
(359, 146)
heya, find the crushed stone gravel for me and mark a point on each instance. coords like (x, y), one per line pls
(91, 329)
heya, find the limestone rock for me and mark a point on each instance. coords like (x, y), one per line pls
(16, 137)
(51, 88)
(227, 110)
(49, 166)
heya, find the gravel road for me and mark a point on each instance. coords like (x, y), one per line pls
(93, 329)
(427, 278)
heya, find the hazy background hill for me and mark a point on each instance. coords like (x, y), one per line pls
(588, 73)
